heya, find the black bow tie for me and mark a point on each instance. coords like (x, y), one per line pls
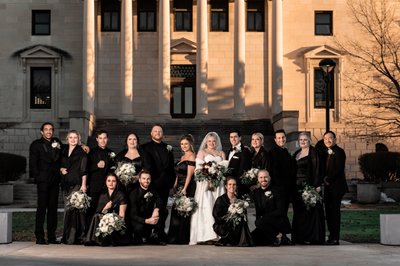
(233, 149)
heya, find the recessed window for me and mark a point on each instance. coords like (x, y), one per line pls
(219, 15)
(40, 88)
(110, 15)
(183, 15)
(255, 15)
(323, 23)
(41, 22)
(183, 91)
(320, 89)
(147, 10)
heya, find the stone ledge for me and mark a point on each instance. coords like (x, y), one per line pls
(390, 229)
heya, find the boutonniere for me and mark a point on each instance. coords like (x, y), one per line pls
(238, 149)
(330, 152)
(148, 196)
(55, 144)
(169, 147)
(112, 155)
(268, 194)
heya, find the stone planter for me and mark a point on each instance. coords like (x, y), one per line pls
(392, 190)
(368, 192)
(6, 193)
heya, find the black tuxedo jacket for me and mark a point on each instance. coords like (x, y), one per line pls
(260, 159)
(96, 175)
(161, 162)
(140, 208)
(271, 211)
(240, 161)
(76, 165)
(283, 167)
(44, 161)
(335, 171)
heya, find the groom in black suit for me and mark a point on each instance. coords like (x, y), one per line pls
(239, 157)
(44, 168)
(161, 160)
(335, 185)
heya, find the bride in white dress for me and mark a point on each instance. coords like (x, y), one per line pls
(201, 227)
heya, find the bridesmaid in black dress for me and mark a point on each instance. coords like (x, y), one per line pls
(73, 178)
(132, 154)
(112, 200)
(308, 225)
(179, 228)
(231, 235)
(260, 155)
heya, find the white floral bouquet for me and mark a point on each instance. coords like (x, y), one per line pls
(109, 223)
(212, 172)
(237, 211)
(126, 173)
(185, 206)
(249, 177)
(78, 200)
(310, 196)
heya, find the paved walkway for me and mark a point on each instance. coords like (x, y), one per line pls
(28, 253)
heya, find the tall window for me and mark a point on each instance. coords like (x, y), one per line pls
(255, 15)
(147, 10)
(323, 23)
(40, 88)
(41, 22)
(183, 91)
(183, 15)
(320, 89)
(219, 15)
(110, 15)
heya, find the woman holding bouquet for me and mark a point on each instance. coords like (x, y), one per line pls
(179, 228)
(308, 219)
(132, 159)
(111, 201)
(201, 227)
(73, 178)
(231, 218)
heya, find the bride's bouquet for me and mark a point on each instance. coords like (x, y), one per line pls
(212, 172)
(109, 223)
(78, 200)
(249, 177)
(310, 196)
(126, 173)
(184, 205)
(237, 211)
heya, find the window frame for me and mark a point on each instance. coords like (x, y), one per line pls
(255, 7)
(35, 23)
(183, 81)
(107, 7)
(32, 104)
(183, 7)
(332, 93)
(146, 7)
(330, 23)
(219, 8)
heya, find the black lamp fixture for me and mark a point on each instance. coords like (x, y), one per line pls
(327, 65)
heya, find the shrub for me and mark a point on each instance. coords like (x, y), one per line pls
(380, 166)
(12, 166)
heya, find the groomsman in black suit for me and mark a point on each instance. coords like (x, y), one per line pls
(161, 160)
(144, 211)
(101, 160)
(239, 157)
(44, 168)
(283, 167)
(335, 185)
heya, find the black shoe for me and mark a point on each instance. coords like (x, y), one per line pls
(41, 241)
(332, 242)
(285, 241)
(54, 241)
(277, 242)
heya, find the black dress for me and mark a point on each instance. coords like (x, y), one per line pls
(74, 220)
(308, 226)
(116, 238)
(179, 227)
(238, 235)
(260, 159)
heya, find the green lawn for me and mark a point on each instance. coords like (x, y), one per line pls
(358, 226)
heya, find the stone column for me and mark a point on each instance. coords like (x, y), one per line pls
(164, 58)
(88, 79)
(202, 58)
(126, 59)
(239, 60)
(277, 60)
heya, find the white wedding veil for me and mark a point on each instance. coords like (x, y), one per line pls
(203, 144)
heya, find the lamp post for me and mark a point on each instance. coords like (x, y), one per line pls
(327, 65)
